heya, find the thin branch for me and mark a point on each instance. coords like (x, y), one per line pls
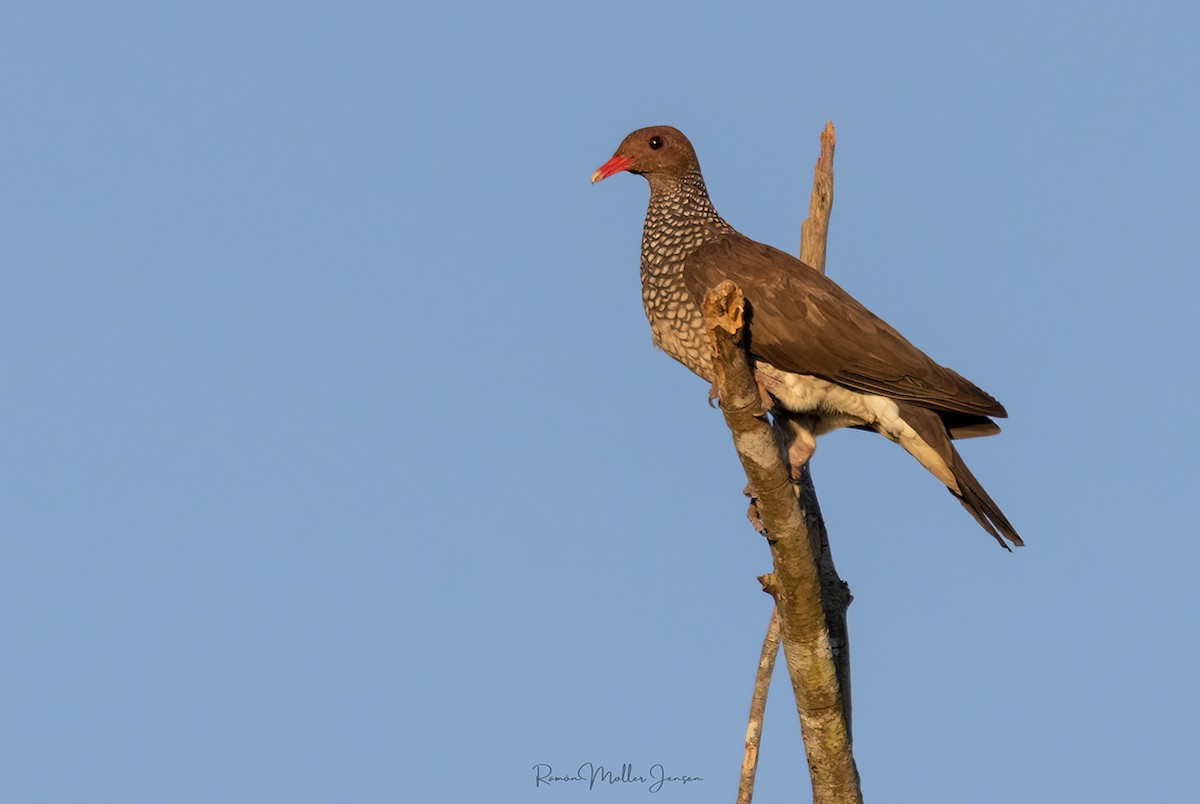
(796, 587)
(758, 706)
(835, 593)
(814, 232)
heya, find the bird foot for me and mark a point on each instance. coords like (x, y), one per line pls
(795, 435)
(764, 396)
(800, 451)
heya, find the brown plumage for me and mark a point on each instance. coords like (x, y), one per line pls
(817, 351)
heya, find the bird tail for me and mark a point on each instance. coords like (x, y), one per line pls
(937, 454)
(979, 503)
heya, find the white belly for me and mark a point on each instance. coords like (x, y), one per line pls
(833, 405)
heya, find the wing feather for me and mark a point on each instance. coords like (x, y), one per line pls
(803, 322)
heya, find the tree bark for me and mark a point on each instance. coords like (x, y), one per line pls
(795, 583)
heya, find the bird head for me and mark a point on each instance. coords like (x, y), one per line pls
(657, 152)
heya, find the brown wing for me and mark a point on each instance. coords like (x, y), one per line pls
(801, 321)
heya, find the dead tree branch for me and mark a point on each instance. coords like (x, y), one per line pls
(814, 232)
(795, 583)
(835, 594)
(758, 708)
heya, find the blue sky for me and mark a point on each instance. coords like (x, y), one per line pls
(338, 465)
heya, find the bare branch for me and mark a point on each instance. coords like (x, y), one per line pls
(795, 431)
(797, 588)
(835, 594)
(815, 230)
(758, 707)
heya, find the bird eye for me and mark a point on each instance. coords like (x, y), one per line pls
(656, 142)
